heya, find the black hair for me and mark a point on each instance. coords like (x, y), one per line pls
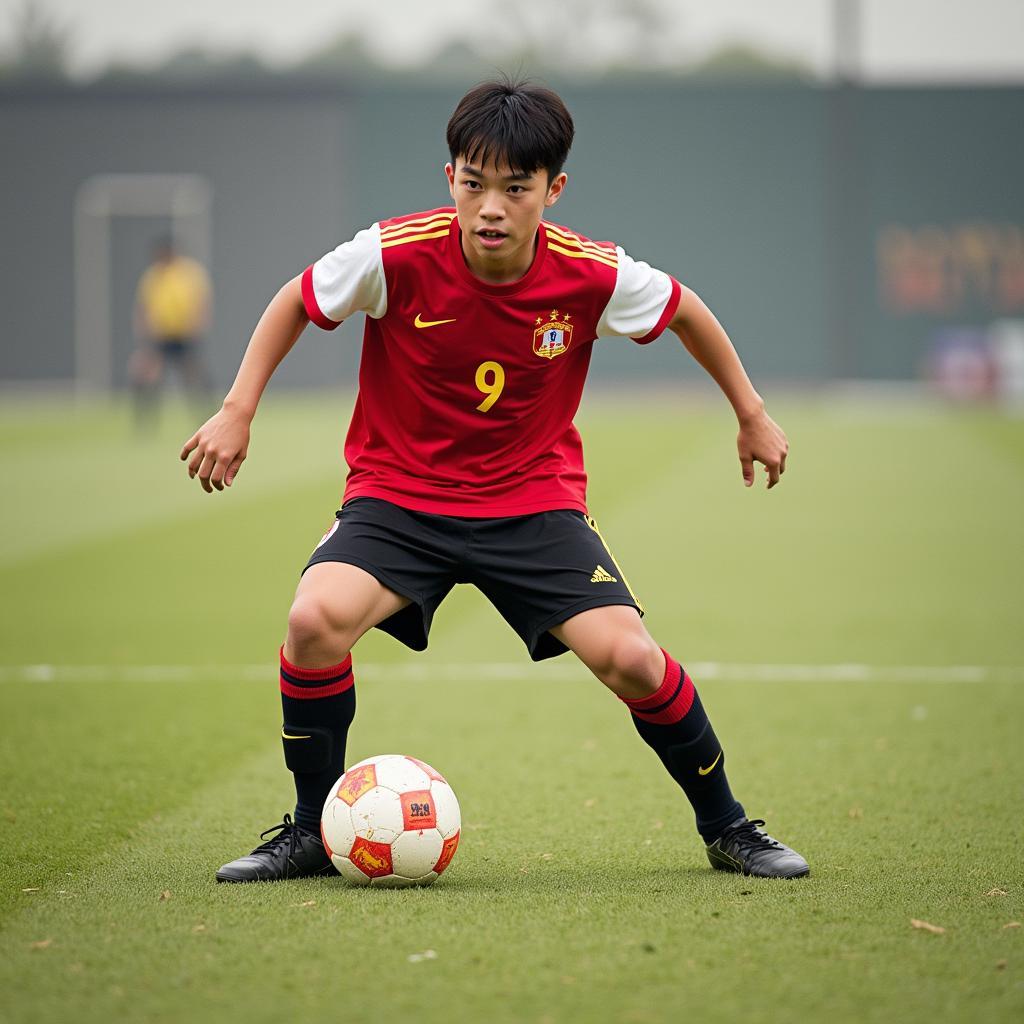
(512, 121)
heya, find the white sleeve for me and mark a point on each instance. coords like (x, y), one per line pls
(348, 280)
(642, 303)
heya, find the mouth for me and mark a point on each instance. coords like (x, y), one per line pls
(491, 238)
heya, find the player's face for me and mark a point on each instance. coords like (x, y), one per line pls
(499, 212)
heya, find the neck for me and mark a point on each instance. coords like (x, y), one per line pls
(499, 269)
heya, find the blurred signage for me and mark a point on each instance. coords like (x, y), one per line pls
(951, 269)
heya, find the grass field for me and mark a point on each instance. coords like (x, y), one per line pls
(856, 634)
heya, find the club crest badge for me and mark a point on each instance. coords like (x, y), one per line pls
(552, 336)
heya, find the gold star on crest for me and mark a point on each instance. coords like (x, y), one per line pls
(539, 319)
(554, 314)
(567, 317)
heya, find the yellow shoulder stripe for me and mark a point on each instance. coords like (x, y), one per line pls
(425, 219)
(580, 254)
(421, 224)
(570, 239)
(387, 244)
(571, 236)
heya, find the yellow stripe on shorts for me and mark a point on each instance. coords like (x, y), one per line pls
(592, 523)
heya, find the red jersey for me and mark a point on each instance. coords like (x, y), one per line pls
(467, 390)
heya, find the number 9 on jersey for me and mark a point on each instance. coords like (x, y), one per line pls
(490, 381)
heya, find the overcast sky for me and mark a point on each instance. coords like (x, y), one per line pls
(902, 39)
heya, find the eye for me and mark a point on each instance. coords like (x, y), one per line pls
(516, 189)
(471, 184)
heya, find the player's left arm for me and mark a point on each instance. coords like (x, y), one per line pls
(760, 438)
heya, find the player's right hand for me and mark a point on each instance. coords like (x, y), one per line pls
(218, 449)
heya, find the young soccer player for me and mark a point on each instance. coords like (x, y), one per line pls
(465, 466)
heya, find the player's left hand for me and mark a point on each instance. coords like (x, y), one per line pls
(762, 440)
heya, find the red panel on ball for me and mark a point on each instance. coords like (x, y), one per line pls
(355, 782)
(323, 839)
(373, 859)
(447, 852)
(432, 772)
(418, 810)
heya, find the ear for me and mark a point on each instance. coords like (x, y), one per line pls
(555, 189)
(450, 172)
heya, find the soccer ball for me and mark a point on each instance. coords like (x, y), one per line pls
(391, 821)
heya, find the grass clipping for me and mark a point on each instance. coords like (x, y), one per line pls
(926, 926)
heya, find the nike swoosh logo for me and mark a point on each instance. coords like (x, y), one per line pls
(707, 771)
(286, 736)
(418, 322)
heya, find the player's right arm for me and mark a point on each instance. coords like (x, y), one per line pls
(219, 447)
(347, 280)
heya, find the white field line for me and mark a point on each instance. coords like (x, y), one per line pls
(409, 672)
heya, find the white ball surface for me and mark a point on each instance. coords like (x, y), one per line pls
(377, 815)
(391, 821)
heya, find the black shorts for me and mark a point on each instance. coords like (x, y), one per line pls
(174, 349)
(537, 570)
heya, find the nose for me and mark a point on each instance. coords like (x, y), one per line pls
(492, 208)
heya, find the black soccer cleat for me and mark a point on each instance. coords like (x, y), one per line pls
(292, 853)
(745, 849)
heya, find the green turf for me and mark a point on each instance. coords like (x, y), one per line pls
(579, 892)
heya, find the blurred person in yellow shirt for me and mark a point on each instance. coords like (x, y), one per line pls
(172, 314)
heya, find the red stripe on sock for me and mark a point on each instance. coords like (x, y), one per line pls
(289, 689)
(313, 674)
(642, 707)
(315, 692)
(676, 711)
(668, 684)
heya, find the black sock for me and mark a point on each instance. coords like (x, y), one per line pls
(319, 705)
(673, 724)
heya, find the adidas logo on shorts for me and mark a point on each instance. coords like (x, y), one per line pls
(602, 575)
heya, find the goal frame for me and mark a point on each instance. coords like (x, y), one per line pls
(185, 199)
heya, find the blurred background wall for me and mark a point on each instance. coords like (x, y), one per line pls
(839, 229)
